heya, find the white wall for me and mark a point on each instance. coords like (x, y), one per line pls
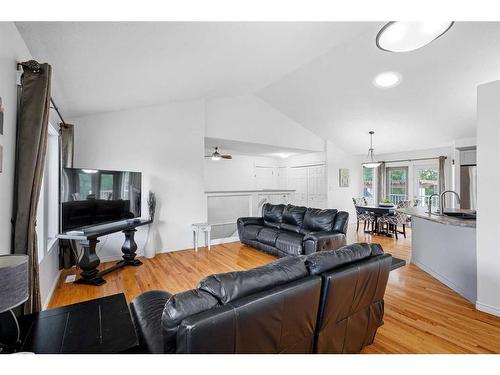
(250, 119)
(12, 50)
(341, 197)
(235, 174)
(488, 204)
(166, 144)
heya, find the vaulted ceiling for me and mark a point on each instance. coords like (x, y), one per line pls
(434, 104)
(108, 66)
(318, 74)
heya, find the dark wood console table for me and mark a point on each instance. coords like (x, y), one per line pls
(89, 261)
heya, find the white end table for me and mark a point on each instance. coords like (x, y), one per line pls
(197, 227)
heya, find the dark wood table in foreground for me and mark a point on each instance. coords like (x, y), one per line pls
(99, 326)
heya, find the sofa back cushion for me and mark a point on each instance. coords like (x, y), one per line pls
(273, 214)
(316, 220)
(227, 287)
(179, 307)
(293, 216)
(323, 261)
(278, 320)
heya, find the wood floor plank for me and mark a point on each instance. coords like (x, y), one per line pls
(422, 315)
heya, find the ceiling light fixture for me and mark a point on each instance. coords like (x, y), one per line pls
(371, 163)
(387, 80)
(216, 154)
(403, 36)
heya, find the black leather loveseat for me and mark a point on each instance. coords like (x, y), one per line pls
(294, 230)
(326, 302)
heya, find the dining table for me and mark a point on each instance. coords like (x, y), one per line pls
(377, 211)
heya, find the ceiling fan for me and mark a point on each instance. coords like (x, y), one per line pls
(216, 155)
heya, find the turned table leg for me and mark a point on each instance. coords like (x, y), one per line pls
(88, 264)
(129, 248)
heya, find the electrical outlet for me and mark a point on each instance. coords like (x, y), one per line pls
(70, 279)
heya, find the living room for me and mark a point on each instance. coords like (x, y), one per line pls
(181, 187)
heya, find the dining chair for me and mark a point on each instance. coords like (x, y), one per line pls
(361, 215)
(399, 218)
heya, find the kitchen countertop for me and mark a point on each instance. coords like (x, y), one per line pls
(447, 220)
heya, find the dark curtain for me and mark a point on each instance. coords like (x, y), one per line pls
(380, 183)
(67, 257)
(31, 147)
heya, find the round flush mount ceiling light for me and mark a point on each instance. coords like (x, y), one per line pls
(402, 36)
(387, 80)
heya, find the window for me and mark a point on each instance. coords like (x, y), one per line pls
(426, 183)
(369, 183)
(397, 184)
(47, 220)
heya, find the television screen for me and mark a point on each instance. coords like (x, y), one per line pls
(91, 197)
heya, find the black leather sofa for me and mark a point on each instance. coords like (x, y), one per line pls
(326, 302)
(293, 230)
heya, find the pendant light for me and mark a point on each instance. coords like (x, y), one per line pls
(403, 36)
(371, 163)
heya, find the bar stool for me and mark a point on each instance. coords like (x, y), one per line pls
(197, 227)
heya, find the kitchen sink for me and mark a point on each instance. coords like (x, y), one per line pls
(471, 215)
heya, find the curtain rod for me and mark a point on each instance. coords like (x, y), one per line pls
(53, 106)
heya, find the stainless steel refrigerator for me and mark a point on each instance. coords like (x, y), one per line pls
(468, 186)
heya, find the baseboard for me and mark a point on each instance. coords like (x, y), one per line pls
(220, 241)
(45, 304)
(488, 308)
(443, 279)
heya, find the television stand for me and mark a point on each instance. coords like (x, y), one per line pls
(89, 261)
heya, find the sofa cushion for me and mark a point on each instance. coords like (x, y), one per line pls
(272, 214)
(180, 306)
(323, 261)
(268, 236)
(316, 220)
(227, 287)
(250, 232)
(293, 216)
(290, 242)
(147, 309)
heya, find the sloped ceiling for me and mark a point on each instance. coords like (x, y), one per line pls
(111, 66)
(334, 97)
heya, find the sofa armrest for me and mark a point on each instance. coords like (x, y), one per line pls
(341, 221)
(250, 221)
(146, 310)
(321, 241)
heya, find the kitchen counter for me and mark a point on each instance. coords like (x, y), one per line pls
(445, 247)
(446, 220)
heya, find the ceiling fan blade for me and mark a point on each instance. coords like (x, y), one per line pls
(226, 156)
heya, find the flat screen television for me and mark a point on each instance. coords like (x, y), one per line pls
(92, 197)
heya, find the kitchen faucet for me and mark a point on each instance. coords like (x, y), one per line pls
(430, 202)
(441, 199)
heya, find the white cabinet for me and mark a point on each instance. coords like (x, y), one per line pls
(468, 157)
(309, 183)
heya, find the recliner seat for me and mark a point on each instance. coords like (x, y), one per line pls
(294, 230)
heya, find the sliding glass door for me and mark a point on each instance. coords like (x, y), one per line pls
(397, 184)
(426, 183)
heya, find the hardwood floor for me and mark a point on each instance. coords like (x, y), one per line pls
(421, 314)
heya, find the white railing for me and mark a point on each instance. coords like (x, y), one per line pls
(423, 200)
(396, 198)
